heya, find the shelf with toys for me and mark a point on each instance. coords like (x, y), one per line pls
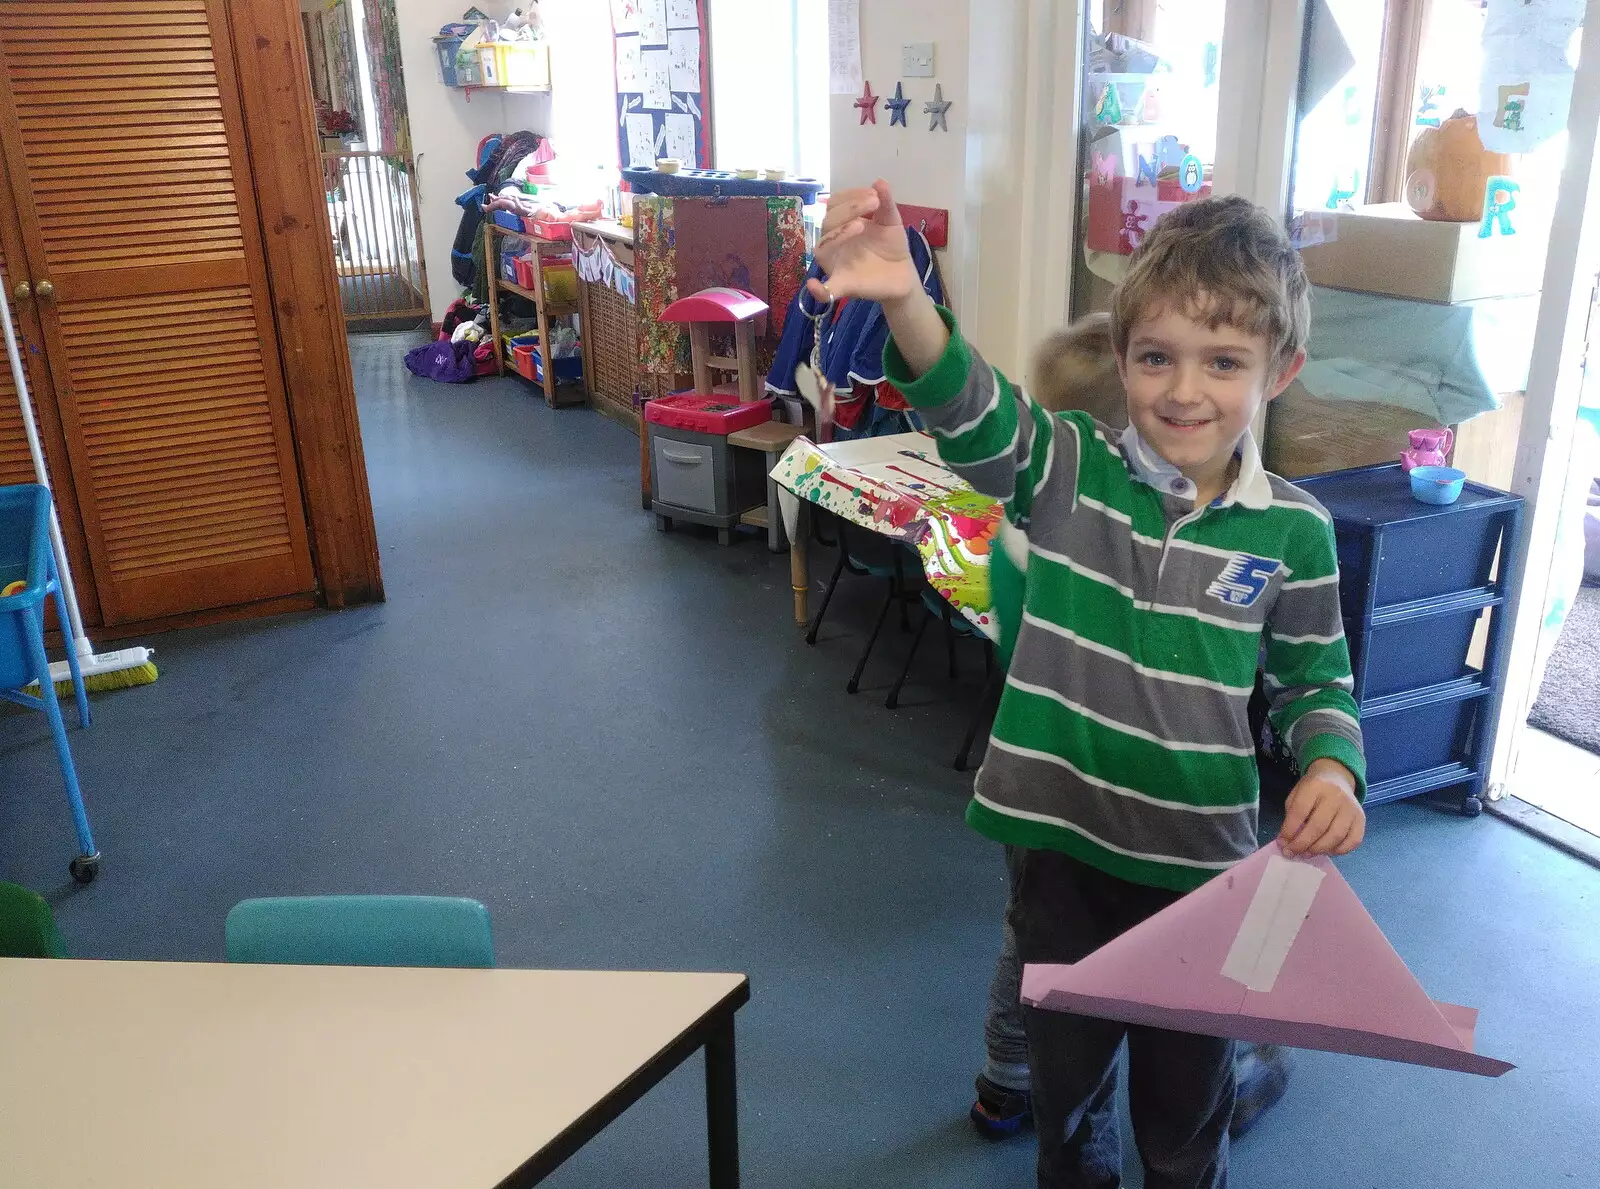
(481, 54)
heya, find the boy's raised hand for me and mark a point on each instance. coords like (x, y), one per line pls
(1322, 815)
(863, 248)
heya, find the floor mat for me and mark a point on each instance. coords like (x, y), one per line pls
(1569, 700)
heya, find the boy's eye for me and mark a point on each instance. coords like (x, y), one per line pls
(1153, 359)
(1226, 363)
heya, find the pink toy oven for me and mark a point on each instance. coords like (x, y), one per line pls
(695, 474)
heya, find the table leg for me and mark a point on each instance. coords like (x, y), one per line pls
(799, 565)
(722, 1106)
(775, 532)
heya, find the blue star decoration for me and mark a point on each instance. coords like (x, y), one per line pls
(868, 103)
(936, 108)
(897, 106)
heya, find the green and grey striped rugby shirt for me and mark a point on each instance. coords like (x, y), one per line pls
(1123, 736)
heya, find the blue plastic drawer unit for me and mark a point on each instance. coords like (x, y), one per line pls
(1423, 591)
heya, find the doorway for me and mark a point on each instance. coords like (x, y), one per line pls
(369, 175)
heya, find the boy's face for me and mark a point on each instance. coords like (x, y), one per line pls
(1193, 391)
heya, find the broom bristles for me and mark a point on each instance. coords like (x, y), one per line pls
(103, 683)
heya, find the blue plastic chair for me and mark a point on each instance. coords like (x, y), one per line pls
(26, 556)
(361, 931)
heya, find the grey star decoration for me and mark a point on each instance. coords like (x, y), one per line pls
(897, 106)
(936, 109)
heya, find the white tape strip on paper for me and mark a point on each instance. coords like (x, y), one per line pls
(1272, 922)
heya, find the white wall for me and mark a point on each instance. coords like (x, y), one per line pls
(446, 125)
(922, 167)
(1006, 171)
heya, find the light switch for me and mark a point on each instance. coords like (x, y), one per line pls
(916, 61)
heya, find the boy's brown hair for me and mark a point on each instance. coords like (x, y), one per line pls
(1230, 263)
(1076, 368)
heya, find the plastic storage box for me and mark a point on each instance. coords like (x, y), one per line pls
(1414, 582)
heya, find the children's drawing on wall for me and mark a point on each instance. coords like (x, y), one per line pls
(625, 16)
(655, 79)
(683, 57)
(1529, 51)
(653, 21)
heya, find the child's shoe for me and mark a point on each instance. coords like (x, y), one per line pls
(1000, 1113)
(1263, 1074)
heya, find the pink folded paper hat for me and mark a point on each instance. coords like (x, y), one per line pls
(1275, 951)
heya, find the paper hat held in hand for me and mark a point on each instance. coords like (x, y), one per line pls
(1276, 951)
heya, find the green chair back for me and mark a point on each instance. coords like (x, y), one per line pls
(27, 926)
(361, 931)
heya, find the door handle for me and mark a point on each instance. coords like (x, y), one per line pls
(45, 290)
(23, 291)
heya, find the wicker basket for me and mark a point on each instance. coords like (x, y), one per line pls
(614, 352)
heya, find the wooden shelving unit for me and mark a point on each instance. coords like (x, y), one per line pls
(554, 394)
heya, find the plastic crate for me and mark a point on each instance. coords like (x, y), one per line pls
(525, 64)
(552, 229)
(446, 48)
(1394, 549)
(1426, 734)
(1416, 651)
(24, 557)
(560, 280)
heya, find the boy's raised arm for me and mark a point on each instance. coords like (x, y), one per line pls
(990, 433)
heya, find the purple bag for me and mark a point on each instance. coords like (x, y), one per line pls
(442, 360)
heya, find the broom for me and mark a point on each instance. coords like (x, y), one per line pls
(124, 668)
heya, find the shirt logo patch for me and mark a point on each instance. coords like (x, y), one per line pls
(1243, 580)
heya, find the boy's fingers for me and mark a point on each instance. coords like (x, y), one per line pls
(849, 204)
(818, 291)
(1353, 837)
(1296, 809)
(888, 213)
(1306, 823)
(839, 234)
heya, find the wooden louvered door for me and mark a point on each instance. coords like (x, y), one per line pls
(16, 463)
(121, 126)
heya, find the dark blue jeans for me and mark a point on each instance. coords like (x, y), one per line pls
(1180, 1086)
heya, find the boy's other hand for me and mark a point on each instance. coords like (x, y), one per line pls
(1322, 815)
(863, 249)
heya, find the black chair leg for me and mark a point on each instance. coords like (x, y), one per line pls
(981, 712)
(854, 683)
(893, 700)
(950, 640)
(827, 597)
(900, 582)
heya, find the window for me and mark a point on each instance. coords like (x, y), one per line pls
(769, 84)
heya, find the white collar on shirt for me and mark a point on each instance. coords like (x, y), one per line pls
(1250, 488)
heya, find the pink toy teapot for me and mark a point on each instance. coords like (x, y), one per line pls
(1429, 448)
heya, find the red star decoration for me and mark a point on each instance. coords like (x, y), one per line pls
(868, 103)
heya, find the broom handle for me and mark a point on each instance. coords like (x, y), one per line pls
(80, 642)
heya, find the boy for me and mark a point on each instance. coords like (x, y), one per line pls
(1121, 769)
(1075, 368)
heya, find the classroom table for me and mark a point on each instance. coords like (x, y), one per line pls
(182, 1075)
(895, 486)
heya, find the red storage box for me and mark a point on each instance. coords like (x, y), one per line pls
(547, 228)
(707, 414)
(522, 358)
(524, 272)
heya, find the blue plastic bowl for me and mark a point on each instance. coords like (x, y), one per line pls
(1437, 485)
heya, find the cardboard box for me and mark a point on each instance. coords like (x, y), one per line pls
(1388, 248)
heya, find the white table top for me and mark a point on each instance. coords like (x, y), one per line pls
(607, 229)
(175, 1075)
